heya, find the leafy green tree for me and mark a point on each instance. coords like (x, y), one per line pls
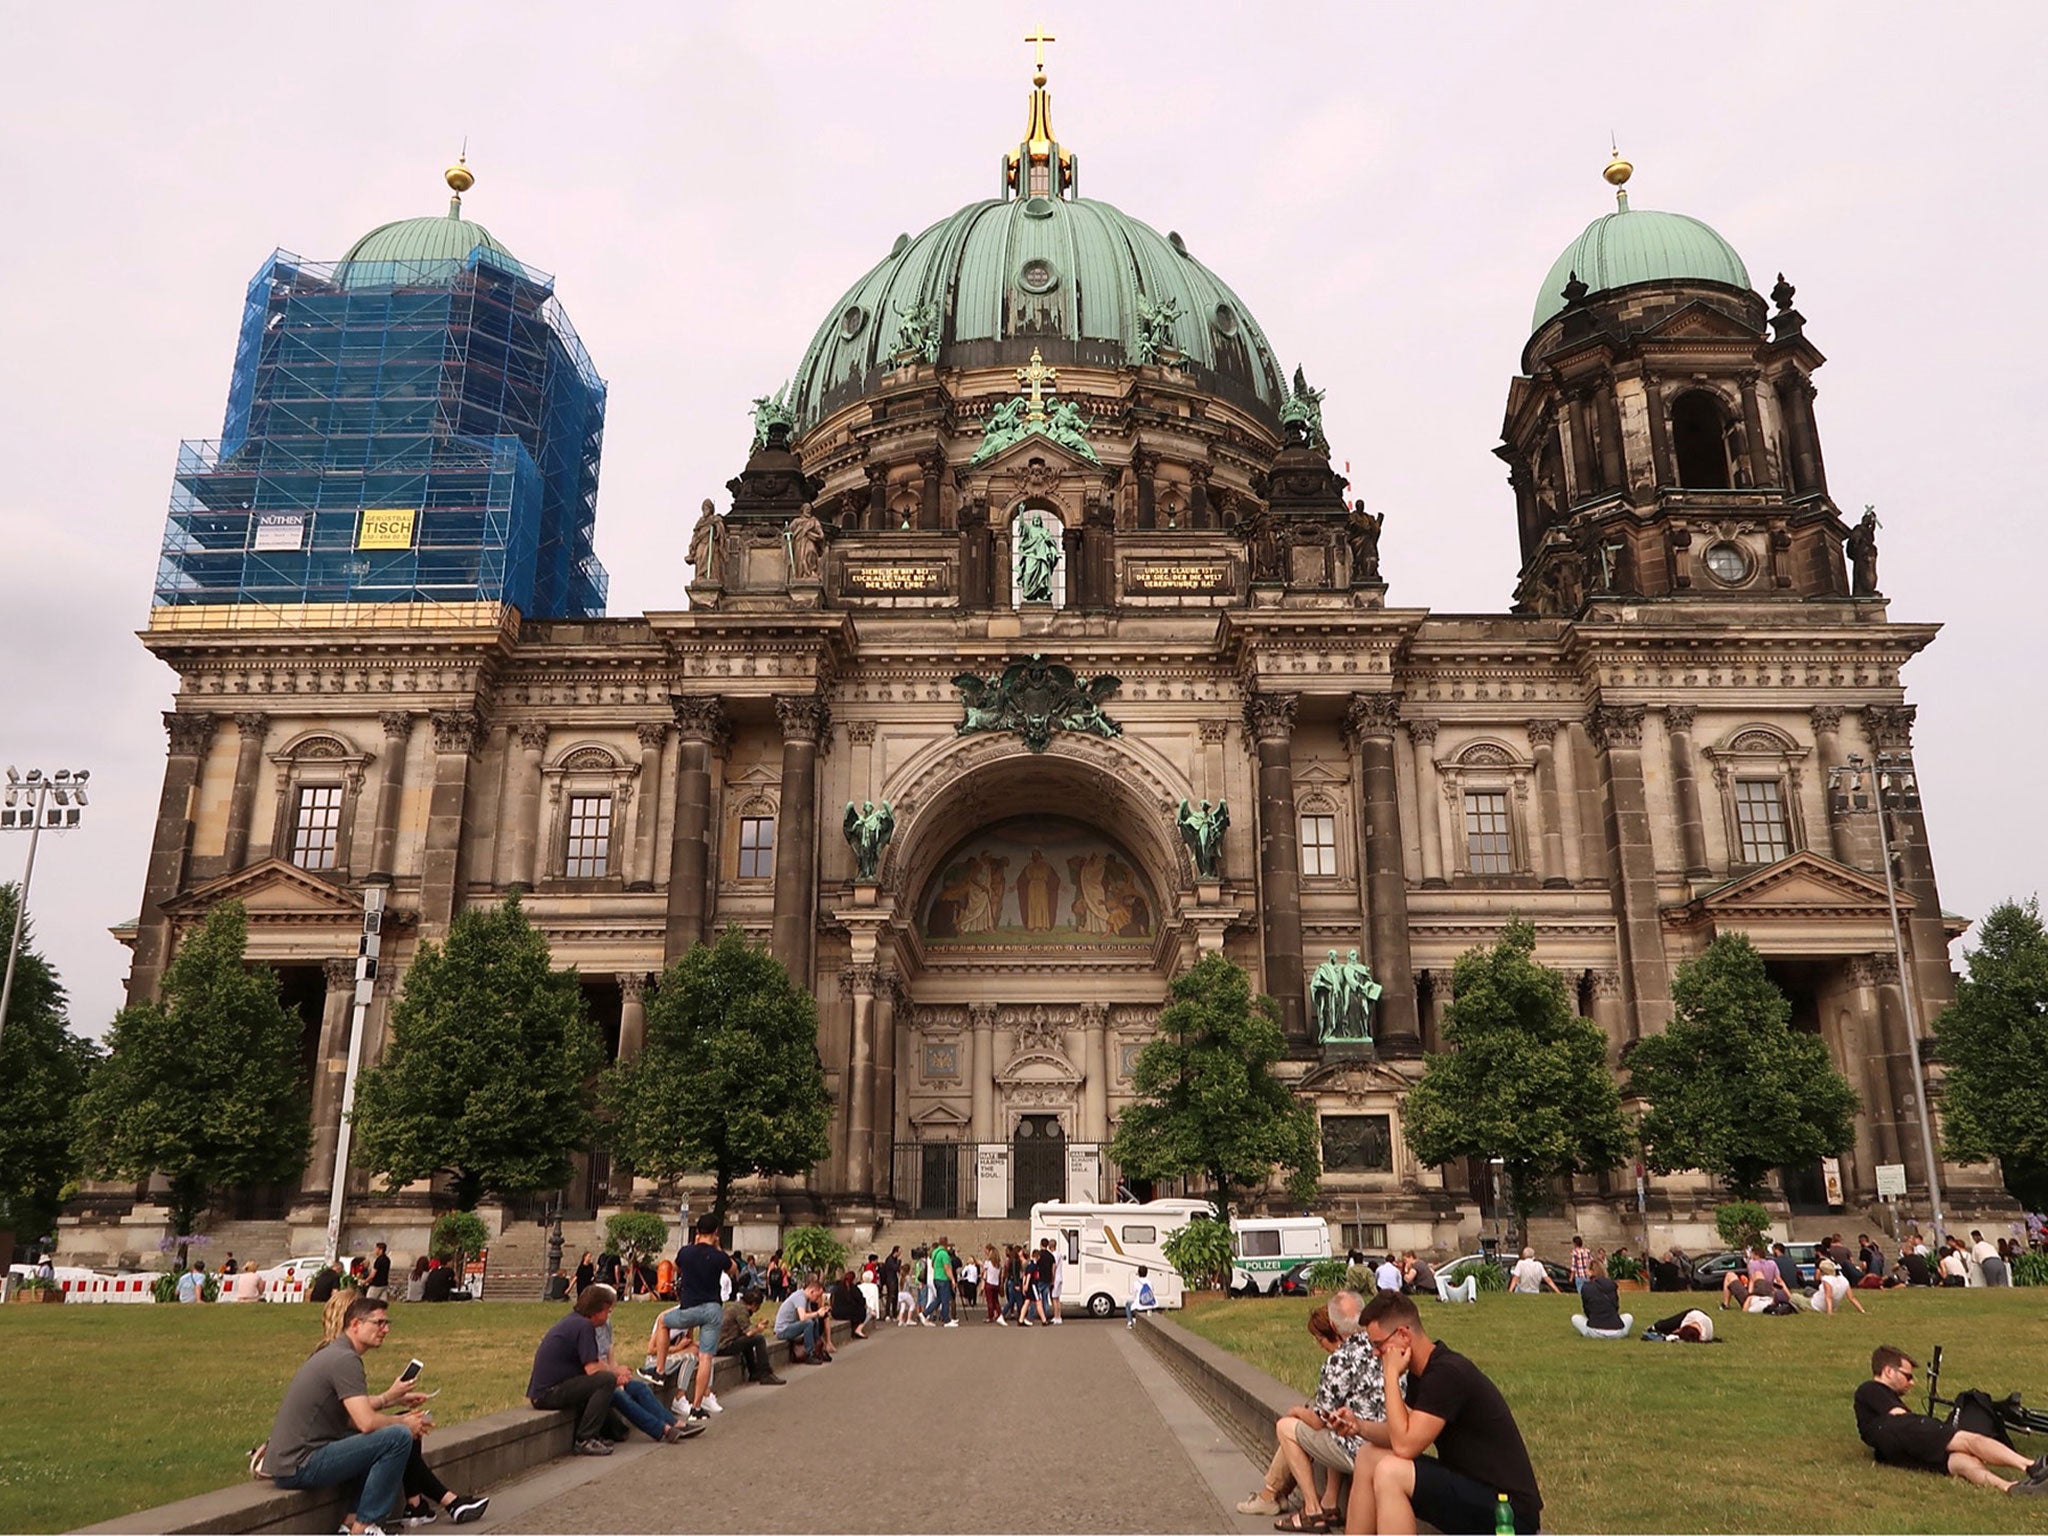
(456, 1236)
(1993, 1042)
(1733, 1089)
(1742, 1223)
(729, 1081)
(813, 1252)
(487, 1077)
(204, 1085)
(636, 1234)
(1200, 1252)
(43, 1071)
(1526, 1082)
(1207, 1100)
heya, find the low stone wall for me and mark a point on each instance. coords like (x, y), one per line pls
(478, 1454)
(1243, 1400)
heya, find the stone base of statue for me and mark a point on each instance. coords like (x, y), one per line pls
(807, 596)
(1268, 594)
(704, 594)
(1347, 1050)
(1371, 594)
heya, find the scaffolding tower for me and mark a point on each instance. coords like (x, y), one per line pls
(397, 432)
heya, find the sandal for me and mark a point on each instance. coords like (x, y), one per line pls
(1303, 1520)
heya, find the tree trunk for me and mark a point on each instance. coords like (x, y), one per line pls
(468, 1190)
(721, 1194)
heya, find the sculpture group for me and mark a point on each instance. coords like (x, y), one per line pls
(1341, 995)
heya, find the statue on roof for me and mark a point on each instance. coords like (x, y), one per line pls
(1155, 330)
(917, 333)
(772, 411)
(1005, 426)
(1362, 530)
(1302, 411)
(1862, 546)
(1068, 426)
(707, 547)
(804, 541)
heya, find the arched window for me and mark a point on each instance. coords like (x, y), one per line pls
(1028, 531)
(1699, 440)
(589, 792)
(1757, 770)
(319, 781)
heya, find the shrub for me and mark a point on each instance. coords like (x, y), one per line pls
(635, 1233)
(164, 1287)
(1200, 1252)
(457, 1235)
(813, 1251)
(38, 1283)
(209, 1289)
(1327, 1275)
(1624, 1266)
(1741, 1223)
(2030, 1268)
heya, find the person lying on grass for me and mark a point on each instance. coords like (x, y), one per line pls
(1899, 1437)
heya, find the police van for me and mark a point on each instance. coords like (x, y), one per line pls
(1263, 1248)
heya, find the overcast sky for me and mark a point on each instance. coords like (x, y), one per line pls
(1384, 187)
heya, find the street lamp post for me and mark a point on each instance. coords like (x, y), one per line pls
(29, 805)
(1896, 789)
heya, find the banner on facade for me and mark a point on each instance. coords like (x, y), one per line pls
(991, 1181)
(385, 528)
(1084, 1173)
(1831, 1179)
(1891, 1181)
(279, 530)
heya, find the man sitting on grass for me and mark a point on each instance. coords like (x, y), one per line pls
(330, 1431)
(1900, 1437)
(1448, 1403)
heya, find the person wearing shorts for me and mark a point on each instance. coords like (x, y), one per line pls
(1901, 1438)
(1447, 1403)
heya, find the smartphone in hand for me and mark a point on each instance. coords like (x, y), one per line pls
(411, 1373)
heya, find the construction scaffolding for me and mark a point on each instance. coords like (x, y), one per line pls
(424, 432)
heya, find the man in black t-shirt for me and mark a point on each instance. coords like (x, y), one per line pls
(700, 1266)
(1448, 1403)
(1900, 1437)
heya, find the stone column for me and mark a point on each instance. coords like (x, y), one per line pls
(883, 1115)
(653, 736)
(1632, 864)
(1610, 1012)
(170, 848)
(1795, 403)
(632, 1013)
(804, 719)
(700, 730)
(330, 1069)
(455, 732)
(1543, 750)
(1585, 474)
(1759, 449)
(1370, 724)
(1842, 828)
(1692, 829)
(981, 1070)
(1269, 718)
(522, 811)
(931, 466)
(1095, 1063)
(1664, 469)
(1894, 1043)
(1613, 470)
(1865, 974)
(397, 725)
(1584, 769)
(250, 730)
(859, 984)
(1428, 799)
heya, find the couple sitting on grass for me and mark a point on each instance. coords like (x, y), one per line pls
(1358, 1428)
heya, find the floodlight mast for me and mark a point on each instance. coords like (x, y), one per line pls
(25, 806)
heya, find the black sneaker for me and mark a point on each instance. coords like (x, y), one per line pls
(2037, 1472)
(699, 1411)
(464, 1510)
(593, 1447)
(423, 1513)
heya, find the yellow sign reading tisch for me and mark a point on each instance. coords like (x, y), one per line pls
(386, 528)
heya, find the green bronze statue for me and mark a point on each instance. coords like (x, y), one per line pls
(1038, 556)
(1202, 830)
(868, 830)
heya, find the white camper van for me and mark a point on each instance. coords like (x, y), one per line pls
(1103, 1245)
(1263, 1248)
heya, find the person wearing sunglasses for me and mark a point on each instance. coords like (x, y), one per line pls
(1447, 1402)
(1899, 1437)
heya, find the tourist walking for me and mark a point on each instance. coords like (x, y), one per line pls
(992, 1283)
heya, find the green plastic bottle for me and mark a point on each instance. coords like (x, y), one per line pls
(1503, 1517)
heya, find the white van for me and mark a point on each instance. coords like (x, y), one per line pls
(1103, 1245)
(1263, 1248)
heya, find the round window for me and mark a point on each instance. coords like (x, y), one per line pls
(852, 320)
(1225, 320)
(1037, 207)
(1726, 563)
(1038, 276)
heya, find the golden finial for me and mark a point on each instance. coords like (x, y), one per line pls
(460, 179)
(1617, 173)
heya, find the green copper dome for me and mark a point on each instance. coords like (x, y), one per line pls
(413, 248)
(1069, 275)
(1639, 245)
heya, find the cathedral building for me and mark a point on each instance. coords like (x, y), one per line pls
(1036, 651)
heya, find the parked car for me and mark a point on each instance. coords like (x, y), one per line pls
(1804, 1256)
(1504, 1261)
(297, 1271)
(1294, 1282)
(1709, 1269)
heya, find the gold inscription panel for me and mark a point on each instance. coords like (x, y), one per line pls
(893, 579)
(1184, 576)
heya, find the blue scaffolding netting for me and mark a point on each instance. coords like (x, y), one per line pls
(424, 432)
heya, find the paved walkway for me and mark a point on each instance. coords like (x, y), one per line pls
(975, 1428)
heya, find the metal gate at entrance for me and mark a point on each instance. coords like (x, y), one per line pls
(1038, 1163)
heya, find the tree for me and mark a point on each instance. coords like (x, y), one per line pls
(205, 1084)
(1526, 1080)
(635, 1234)
(729, 1082)
(457, 1235)
(1993, 1042)
(487, 1076)
(43, 1072)
(1207, 1101)
(1735, 1091)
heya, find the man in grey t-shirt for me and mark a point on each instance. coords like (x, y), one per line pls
(330, 1430)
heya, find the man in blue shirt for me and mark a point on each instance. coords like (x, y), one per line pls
(570, 1371)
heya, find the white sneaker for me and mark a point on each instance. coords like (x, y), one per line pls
(1002, 1322)
(1057, 1321)
(711, 1403)
(954, 1324)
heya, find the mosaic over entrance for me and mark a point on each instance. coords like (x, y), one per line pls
(1034, 881)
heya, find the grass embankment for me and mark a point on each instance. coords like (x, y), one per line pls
(107, 1409)
(1751, 1434)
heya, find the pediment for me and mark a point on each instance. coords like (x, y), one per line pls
(272, 888)
(1801, 887)
(1041, 1067)
(1057, 460)
(941, 1122)
(1699, 321)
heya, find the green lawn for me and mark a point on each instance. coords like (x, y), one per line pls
(106, 1409)
(1752, 1434)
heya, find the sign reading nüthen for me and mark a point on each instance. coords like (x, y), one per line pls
(891, 580)
(1177, 576)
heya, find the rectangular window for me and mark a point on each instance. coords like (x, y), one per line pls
(1319, 845)
(1760, 821)
(1365, 1237)
(1489, 850)
(1258, 1243)
(590, 837)
(1140, 1237)
(1358, 1144)
(757, 847)
(317, 831)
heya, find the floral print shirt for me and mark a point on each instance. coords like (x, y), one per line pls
(1352, 1379)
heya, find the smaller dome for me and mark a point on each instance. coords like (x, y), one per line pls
(447, 239)
(1639, 245)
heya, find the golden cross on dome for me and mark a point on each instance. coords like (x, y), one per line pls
(1037, 381)
(1038, 37)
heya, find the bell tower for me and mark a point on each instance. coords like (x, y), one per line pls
(1660, 438)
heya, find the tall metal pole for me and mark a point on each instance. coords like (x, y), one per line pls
(1928, 1151)
(366, 983)
(21, 899)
